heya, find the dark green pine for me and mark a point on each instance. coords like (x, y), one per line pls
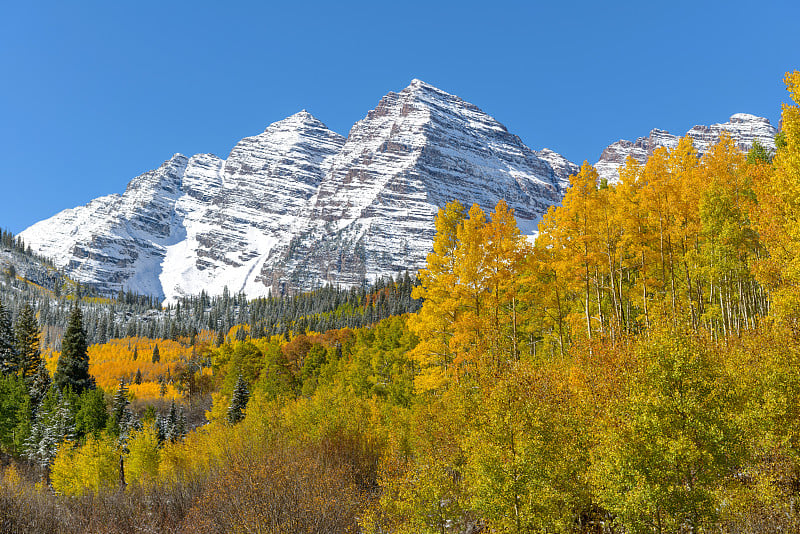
(238, 401)
(8, 352)
(73, 365)
(27, 332)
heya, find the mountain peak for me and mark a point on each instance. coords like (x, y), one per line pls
(301, 118)
(299, 205)
(419, 86)
(743, 128)
(416, 82)
(747, 117)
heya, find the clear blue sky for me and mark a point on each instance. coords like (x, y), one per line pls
(94, 93)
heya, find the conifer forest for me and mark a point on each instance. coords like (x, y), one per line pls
(635, 369)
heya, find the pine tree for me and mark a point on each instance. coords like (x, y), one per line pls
(156, 354)
(14, 412)
(54, 424)
(92, 415)
(759, 154)
(135, 353)
(161, 428)
(238, 401)
(39, 384)
(73, 364)
(171, 423)
(138, 379)
(28, 353)
(8, 353)
(180, 424)
(119, 402)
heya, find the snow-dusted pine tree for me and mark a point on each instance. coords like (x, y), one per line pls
(27, 334)
(238, 401)
(54, 425)
(8, 353)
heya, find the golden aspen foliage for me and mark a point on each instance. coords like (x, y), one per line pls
(141, 462)
(109, 362)
(568, 231)
(778, 213)
(434, 323)
(673, 439)
(468, 324)
(93, 466)
(470, 328)
(506, 252)
(523, 457)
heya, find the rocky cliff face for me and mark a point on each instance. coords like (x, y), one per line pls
(246, 205)
(743, 128)
(298, 205)
(373, 214)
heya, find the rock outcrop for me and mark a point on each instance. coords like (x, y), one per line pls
(299, 205)
(743, 129)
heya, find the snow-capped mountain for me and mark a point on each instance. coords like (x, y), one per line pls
(743, 129)
(417, 150)
(298, 205)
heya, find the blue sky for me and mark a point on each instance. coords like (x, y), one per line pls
(95, 93)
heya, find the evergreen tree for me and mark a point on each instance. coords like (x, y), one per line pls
(122, 421)
(54, 424)
(73, 365)
(8, 353)
(180, 424)
(39, 384)
(120, 402)
(759, 153)
(14, 412)
(238, 401)
(28, 353)
(135, 352)
(170, 423)
(160, 426)
(156, 354)
(138, 379)
(92, 415)
(171, 427)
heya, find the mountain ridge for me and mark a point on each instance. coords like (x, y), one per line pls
(298, 206)
(743, 128)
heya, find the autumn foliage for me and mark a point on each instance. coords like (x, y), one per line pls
(636, 368)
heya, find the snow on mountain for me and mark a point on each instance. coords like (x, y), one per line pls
(743, 128)
(199, 223)
(299, 205)
(417, 150)
(116, 240)
(263, 186)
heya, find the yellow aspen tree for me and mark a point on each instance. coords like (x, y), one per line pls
(609, 236)
(728, 241)
(141, 464)
(655, 199)
(434, 323)
(92, 467)
(544, 291)
(778, 214)
(635, 247)
(571, 228)
(471, 292)
(506, 251)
